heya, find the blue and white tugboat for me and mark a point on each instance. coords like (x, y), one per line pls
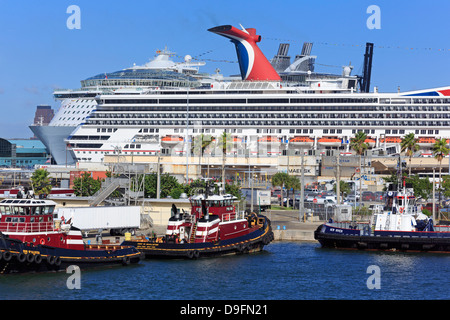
(31, 241)
(400, 226)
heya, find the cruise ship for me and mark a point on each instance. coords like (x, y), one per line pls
(77, 105)
(272, 108)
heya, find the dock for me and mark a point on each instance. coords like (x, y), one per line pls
(287, 227)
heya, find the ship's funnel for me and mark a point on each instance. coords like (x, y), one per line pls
(252, 62)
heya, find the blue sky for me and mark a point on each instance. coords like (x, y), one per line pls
(39, 53)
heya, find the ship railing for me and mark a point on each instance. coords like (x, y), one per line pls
(442, 228)
(232, 216)
(350, 224)
(26, 227)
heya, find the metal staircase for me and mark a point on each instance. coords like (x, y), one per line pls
(108, 187)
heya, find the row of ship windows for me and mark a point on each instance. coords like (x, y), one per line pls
(271, 115)
(279, 131)
(276, 100)
(268, 123)
(284, 108)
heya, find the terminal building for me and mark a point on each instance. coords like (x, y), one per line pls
(22, 153)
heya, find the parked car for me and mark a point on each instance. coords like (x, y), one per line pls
(368, 196)
(429, 207)
(351, 198)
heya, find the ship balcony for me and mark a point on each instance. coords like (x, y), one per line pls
(28, 227)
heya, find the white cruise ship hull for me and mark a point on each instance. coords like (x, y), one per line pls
(53, 139)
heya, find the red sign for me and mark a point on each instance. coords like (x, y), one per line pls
(315, 200)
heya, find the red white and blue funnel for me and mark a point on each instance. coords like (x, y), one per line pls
(252, 62)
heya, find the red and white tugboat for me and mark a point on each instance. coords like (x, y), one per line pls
(30, 241)
(212, 228)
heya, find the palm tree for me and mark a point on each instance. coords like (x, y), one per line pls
(358, 143)
(294, 184)
(201, 142)
(224, 143)
(440, 150)
(280, 179)
(40, 182)
(409, 144)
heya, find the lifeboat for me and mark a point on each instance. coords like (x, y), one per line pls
(329, 141)
(212, 227)
(269, 139)
(391, 140)
(426, 141)
(32, 241)
(371, 142)
(301, 142)
(171, 140)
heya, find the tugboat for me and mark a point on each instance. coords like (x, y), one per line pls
(400, 226)
(31, 241)
(212, 228)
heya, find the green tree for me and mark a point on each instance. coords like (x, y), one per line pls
(422, 186)
(358, 143)
(234, 190)
(344, 188)
(40, 182)
(409, 145)
(167, 184)
(86, 186)
(201, 142)
(224, 142)
(446, 186)
(440, 150)
(294, 184)
(280, 179)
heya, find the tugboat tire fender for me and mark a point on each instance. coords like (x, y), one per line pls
(126, 261)
(30, 257)
(21, 257)
(57, 261)
(51, 260)
(190, 254)
(38, 258)
(7, 256)
(196, 254)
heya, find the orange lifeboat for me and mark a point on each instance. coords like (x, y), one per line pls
(301, 142)
(269, 139)
(171, 140)
(370, 142)
(329, 141)
(426, 141)
(391, 140)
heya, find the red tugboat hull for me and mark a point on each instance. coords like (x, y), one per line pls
(254, 241)
(31, 241)
(19, 257)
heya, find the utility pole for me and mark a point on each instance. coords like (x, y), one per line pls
(187, 137)
(434, 206)
(338, 179)
(158, 175)
(302, 188)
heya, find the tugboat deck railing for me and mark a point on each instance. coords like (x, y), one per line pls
(26, 227)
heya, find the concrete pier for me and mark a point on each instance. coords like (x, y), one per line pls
(287, 227)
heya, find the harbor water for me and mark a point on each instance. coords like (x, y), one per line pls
(283, 271)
